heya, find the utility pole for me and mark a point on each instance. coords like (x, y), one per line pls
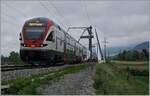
(105, 42)
(95, 46)
(90, 39)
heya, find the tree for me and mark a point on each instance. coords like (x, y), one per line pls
(146, 54)
(133, 55)
(124, 55)
(128, 56)
(15, 58)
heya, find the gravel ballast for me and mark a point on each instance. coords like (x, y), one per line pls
(79, 83)
(11, 75)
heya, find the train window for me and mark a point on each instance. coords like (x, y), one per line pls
(50, 36)
(34, 32)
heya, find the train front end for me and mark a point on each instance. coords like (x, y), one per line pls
(33, 46)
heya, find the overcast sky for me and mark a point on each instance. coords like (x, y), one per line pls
(123, 23)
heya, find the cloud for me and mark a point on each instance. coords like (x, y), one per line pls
(122, 22)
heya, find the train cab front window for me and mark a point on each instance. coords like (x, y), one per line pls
(34, 32)
(50, 36)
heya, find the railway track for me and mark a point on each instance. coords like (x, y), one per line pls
(10, 73)
(25, 66)
(11, 67)
(13, 70)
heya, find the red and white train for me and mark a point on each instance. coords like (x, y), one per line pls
(42, 40)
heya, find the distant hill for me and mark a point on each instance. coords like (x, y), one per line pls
(115, 50)
(141, 46)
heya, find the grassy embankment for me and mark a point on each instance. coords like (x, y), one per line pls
(133, 78)
(129, 62)
(29, 85)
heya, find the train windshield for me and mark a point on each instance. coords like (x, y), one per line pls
(34, 32)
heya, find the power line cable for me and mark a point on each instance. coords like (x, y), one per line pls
(13, 20)
(16, 10)
(53, 5)
(45, 7)
(87, 15)
(12, 17)
(89, 19)
(9, 22)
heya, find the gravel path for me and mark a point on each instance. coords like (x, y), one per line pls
(80, 83)
(10, 75)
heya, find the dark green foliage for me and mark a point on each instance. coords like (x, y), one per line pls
(12, 58)
(4, 59)
(139, 72)
(108, 60)
(146, 54)
(132, 55)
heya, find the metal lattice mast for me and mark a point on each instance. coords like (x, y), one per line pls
(100, 50)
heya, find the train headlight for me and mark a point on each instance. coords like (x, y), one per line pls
(42, 45)
(24, 45)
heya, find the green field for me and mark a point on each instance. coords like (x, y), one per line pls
(113, 80)
(130, 62)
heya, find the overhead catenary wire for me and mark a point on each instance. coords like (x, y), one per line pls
(59, 13)
(88, 16)
(23, 14)
(15, 19)
(86, 12)
(90, 21)
(45, 7)
(17, 10)
(9, 22)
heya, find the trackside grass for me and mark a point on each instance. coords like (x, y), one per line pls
(109, 79)
(28, 85)
(129, 62)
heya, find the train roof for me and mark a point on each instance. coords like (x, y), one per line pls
(45, 20)
(39, 18)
